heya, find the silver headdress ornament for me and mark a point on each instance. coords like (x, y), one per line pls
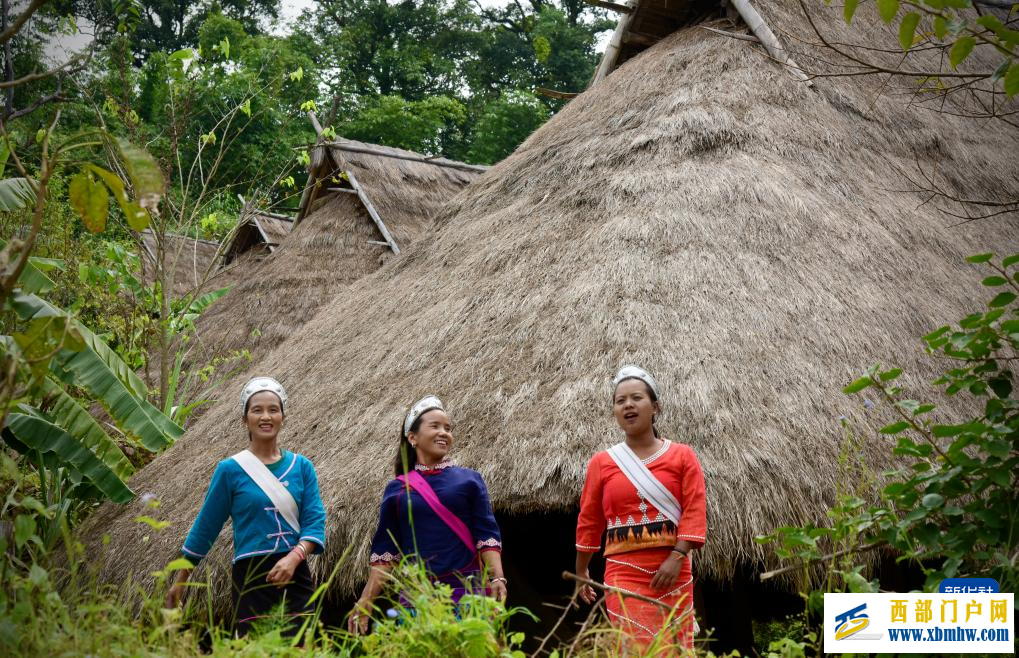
(259, 384)
(422, 406)
(635, 372)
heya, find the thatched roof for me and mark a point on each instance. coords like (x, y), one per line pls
(699, 211)
(190, 262)
(261, 233)
(333, 243)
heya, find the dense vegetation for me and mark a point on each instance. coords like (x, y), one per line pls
(172, 110)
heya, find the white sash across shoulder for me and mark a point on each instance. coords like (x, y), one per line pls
(281, 499)
(647, 485)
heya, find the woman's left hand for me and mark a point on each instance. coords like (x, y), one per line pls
(668, 572)
(283, 571)
(498, 590)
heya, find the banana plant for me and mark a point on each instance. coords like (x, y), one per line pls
(53, 355)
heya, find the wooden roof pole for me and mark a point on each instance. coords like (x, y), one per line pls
(317, 158)
(768, 39)
(608, 60)
(371, 211)
(343, 145)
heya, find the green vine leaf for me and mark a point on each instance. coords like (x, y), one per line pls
(961, 50)
(907, 29)
(887, 9)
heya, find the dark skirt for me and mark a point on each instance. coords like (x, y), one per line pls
(255, 599)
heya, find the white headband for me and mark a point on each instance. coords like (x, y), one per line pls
(259, 384)
(425, 404)
(635, 372)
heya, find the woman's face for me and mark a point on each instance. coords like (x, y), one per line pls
(633, 407)
(264, 417)
(433, 438)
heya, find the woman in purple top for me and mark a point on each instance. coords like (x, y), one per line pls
(426, 438)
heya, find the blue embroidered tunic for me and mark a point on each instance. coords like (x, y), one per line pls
(258, 527)
(463, 492)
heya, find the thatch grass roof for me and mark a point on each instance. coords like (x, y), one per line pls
(333, 244)
(700, 212)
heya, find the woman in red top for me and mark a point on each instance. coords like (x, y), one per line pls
(647, 546)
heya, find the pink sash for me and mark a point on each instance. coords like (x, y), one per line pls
(459, 528)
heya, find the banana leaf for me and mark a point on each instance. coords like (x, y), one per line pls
(29, 306)
(37, 433)
(33, 278)
(15, 194)
(64, 411)
(133, 415)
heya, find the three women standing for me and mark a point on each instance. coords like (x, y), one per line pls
(647, 495)
(273, 498)
(435, 511)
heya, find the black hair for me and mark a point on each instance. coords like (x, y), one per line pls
(406, 455)
(650, 393)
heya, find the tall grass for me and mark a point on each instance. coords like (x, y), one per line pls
(52, 603)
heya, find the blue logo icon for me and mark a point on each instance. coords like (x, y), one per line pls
(851, 622)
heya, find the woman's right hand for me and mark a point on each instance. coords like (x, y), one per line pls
(585, 591)
(174, 596)
(360, 616)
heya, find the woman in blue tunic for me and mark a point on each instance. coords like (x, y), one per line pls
(454, 530)
(272, 497)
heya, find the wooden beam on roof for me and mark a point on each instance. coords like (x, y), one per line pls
(261, 231)
(552, 93)
(371, 211)
(318, 157)
(732, 35)
(343, 145)
(768, 39)
(641, 39)
(611, 6)
(611, 55)
(314, 123)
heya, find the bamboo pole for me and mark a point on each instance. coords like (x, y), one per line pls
(608, 60)
(768, 39)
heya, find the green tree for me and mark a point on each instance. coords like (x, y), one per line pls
(414, 125)
(420, 49)
(413, 49)
(169, 25)
(504, 123)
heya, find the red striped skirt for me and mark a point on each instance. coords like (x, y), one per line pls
(644, 622)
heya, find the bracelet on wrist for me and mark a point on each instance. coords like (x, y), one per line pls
(499, 579)
(681, 552)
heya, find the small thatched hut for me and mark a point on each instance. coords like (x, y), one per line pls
(699, 210)
(333, 241)
(261, 233)
(189, 262)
